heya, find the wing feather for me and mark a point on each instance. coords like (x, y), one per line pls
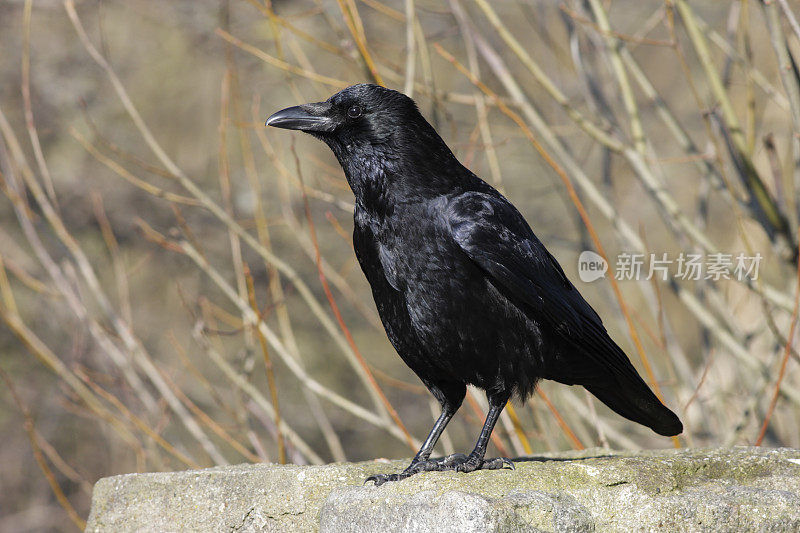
(495, 236)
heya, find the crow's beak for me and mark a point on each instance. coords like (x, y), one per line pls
(308, 117)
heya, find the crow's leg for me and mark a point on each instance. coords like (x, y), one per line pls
(458, 462)
(475, 460)
(450, 397)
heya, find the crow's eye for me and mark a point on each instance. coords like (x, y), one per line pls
(354, 111)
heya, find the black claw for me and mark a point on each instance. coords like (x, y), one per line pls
(498, 463)
(380, 479)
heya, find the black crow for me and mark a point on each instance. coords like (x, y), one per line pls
(465, 290)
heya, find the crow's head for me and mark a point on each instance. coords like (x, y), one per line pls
(357, 117)
(380, 139)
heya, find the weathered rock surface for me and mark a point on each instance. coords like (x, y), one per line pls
(735, 489)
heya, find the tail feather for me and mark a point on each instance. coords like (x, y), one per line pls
(635, 401)
(601, 366)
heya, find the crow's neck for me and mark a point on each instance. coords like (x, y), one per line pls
(384, 176)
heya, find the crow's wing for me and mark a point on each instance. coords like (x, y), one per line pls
(494, 235)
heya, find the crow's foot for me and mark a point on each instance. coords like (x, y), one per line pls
(458, 462)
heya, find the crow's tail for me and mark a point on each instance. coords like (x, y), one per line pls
(617, 384)
(634, 400)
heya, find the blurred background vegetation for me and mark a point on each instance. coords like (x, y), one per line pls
(178, 289)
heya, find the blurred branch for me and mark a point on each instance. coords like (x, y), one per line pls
(36, 347)
(791, 84)
(87, 272)
(411, 43)
(480, 100)
(138, 422)
(386, 10)
(628, 98)
(290, 362)
(208, 421)
(273, 390)
(79, 522)
(353, 22)
(120, 275)
(576, 443)
(127, 176)
(595, 131)
(756, 75)
(242, 383)
(784, 361)
(275, 62)
(755, 185)
(26, 99)
(787, 11)
(220, 213)
(267, 11)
